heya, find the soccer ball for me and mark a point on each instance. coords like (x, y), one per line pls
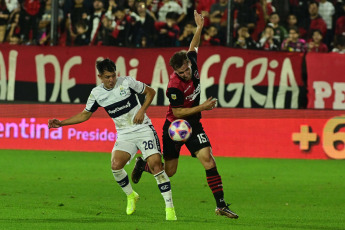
(180, 130)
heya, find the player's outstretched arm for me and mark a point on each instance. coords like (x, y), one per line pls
(149, 95)
(209, 104)
(78, 118)
(199, 20)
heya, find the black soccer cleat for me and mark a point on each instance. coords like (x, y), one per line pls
(138, 169)
(225, 211)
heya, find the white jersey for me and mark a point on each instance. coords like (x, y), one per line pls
(121, 103)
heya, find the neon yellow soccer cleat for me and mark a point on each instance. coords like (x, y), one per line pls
(170, 214)
(131, 201)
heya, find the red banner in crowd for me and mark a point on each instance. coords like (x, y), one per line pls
(266, 133)
(238, 78)
(326, 81)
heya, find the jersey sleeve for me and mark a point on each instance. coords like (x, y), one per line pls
(176, 97)
(91, 104)
(137, 86)
(192, 56)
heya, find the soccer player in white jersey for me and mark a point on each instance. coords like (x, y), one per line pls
(118, 96)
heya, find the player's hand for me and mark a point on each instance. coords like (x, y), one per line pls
(199, 19)
(210, 103)
(54, 123)
(139, 117)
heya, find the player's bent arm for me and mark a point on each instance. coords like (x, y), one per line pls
(149, 95)
(185, 112)
(209, 104)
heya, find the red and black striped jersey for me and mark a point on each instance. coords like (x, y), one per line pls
(184, 94)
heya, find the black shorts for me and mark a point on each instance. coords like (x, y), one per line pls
(198, 140)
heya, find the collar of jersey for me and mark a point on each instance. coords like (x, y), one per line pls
(108, 89)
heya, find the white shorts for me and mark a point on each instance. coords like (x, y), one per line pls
(146, 140)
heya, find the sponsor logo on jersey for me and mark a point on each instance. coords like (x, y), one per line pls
(128, 105)
(187, 89)
(195, 93)
(196, 74)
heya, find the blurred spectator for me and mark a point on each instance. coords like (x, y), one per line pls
(187, 34)
(131, 6)
(217, 10)
(210, 37)
(144, 27)
(263, 12)
(316, 44)
(82, 38)
(299, 8)
(123, 27)
(188, 6)
(77, 12)
(244, 14)
(31, 11)
(280, 32)
(171, 6)
(293, 43)
(204, 7)
(4, 16)
(314, 21)
(168, 32)
(326, 10)
(339, 46)
(152, 7)
(282, 7)
(12, 6)
(13, 36)
(267, 40)
(340, 25)
(292, 21)
(44, 23)
(105, 33)
(95, 21)
(244, 40)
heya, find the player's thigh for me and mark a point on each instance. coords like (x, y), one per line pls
(171, 149)
(198, 140)
(122, 153)
(148, 142)
(206, 158)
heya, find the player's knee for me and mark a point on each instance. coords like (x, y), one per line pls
(170, 172)
(156, 167)
(115, 165)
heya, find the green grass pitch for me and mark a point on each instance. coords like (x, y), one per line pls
(70, 190)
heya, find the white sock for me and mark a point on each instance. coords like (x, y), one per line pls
(163, 182)
(121, 178)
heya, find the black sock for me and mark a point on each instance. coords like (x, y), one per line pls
(215, 183)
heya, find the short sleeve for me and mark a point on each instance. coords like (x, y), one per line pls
(91, 104)
(176, 97)
(137, 86)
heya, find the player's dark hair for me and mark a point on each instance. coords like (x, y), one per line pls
(105, 65)
(178, 59)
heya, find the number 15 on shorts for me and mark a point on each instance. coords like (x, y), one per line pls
(202, 138)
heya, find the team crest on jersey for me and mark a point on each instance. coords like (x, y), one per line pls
(122, 91)
(196, 74)
(173, 96)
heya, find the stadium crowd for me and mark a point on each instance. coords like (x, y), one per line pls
(288, 25)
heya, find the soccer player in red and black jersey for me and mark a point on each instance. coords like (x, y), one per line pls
(184, 95)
